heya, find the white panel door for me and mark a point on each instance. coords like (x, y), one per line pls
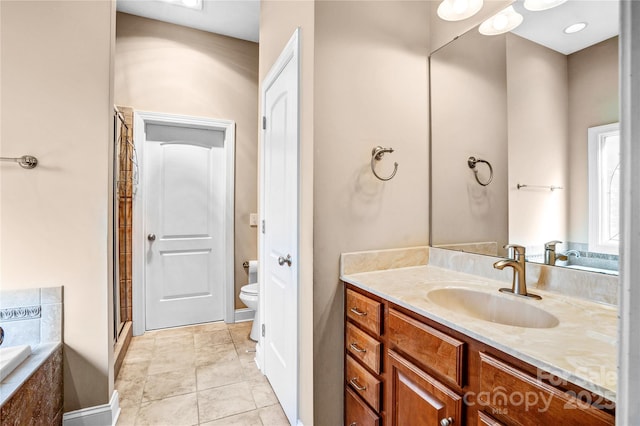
(280, 249)
(184, 224)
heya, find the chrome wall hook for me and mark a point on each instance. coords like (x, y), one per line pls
(472, 162)
(376, 155)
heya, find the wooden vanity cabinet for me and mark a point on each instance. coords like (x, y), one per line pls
(363, 372)
(416, 371)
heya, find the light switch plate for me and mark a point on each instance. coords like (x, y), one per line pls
(253, 219)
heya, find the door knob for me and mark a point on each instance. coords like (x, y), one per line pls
(283, 260)
(151, 237)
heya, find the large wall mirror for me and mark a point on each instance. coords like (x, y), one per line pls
(512, 116)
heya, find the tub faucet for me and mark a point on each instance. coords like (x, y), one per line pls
(1, 335)
(519, 284)
(550, 255)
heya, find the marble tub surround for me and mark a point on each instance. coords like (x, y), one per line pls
(377, 260)
(11, 386)
(30, 317)
(38, 397)
(580, 349)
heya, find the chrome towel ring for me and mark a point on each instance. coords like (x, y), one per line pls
(472, 161)
(376, 155)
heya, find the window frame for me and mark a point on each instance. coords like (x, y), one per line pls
(596, 242)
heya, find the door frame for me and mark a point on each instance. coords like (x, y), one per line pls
(140, 120)
(289, 52)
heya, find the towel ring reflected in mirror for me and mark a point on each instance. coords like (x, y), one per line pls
(472, 162)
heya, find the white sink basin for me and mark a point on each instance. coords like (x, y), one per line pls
(11, 357)
(507, 310)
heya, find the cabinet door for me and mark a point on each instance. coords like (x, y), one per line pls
(416, 398)
(522, 398)
(357, 413)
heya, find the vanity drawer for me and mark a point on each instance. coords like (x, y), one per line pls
(430, 347)
(363, 347)
(529, 402)
(363, 383)
(486, 420)
(364, 311)
(357, 413)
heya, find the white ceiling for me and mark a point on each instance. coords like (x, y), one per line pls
(546, 27)
(233, 18)
(240, 19)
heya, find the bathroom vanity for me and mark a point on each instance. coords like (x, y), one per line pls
(415, 355)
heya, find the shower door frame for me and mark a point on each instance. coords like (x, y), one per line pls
(141, 119)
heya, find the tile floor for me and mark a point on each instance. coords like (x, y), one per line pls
(197, 375)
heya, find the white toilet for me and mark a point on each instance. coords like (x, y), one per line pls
(249, 296)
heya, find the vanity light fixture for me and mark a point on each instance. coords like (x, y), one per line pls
(191, 4)
(457, 10)
(502, 22)
(574, 28)
(538, 5)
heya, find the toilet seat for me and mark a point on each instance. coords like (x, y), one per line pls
(250, 289)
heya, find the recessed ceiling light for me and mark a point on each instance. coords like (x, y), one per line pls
(538, 5)
(574, 28)
(457, 10)
(501, 22)
(191, 4)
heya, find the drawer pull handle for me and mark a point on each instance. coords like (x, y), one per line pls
(446, 422)
(353, 424)
(354, 383)
(357, 348)
(358, 312)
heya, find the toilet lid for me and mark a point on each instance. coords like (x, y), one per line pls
(250, 288)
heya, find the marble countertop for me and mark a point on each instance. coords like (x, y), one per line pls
(580, 349)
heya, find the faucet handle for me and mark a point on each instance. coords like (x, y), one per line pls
(551, 245)
(515, 251)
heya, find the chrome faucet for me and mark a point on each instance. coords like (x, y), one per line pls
(517, 262)
(575, 253)
(550, 255)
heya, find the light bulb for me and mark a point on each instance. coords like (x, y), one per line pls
(502, 22)
(574, 28)
(460, 6)
(538, 5)
(457, 10)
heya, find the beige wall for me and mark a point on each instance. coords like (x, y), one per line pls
(469, 92)
(593, 101)
(370, 89)
(173, 69)
(278, 21)
(537, 87)
(55, 225)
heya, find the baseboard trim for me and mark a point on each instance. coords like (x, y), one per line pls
(100, 415)
(244, 314)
